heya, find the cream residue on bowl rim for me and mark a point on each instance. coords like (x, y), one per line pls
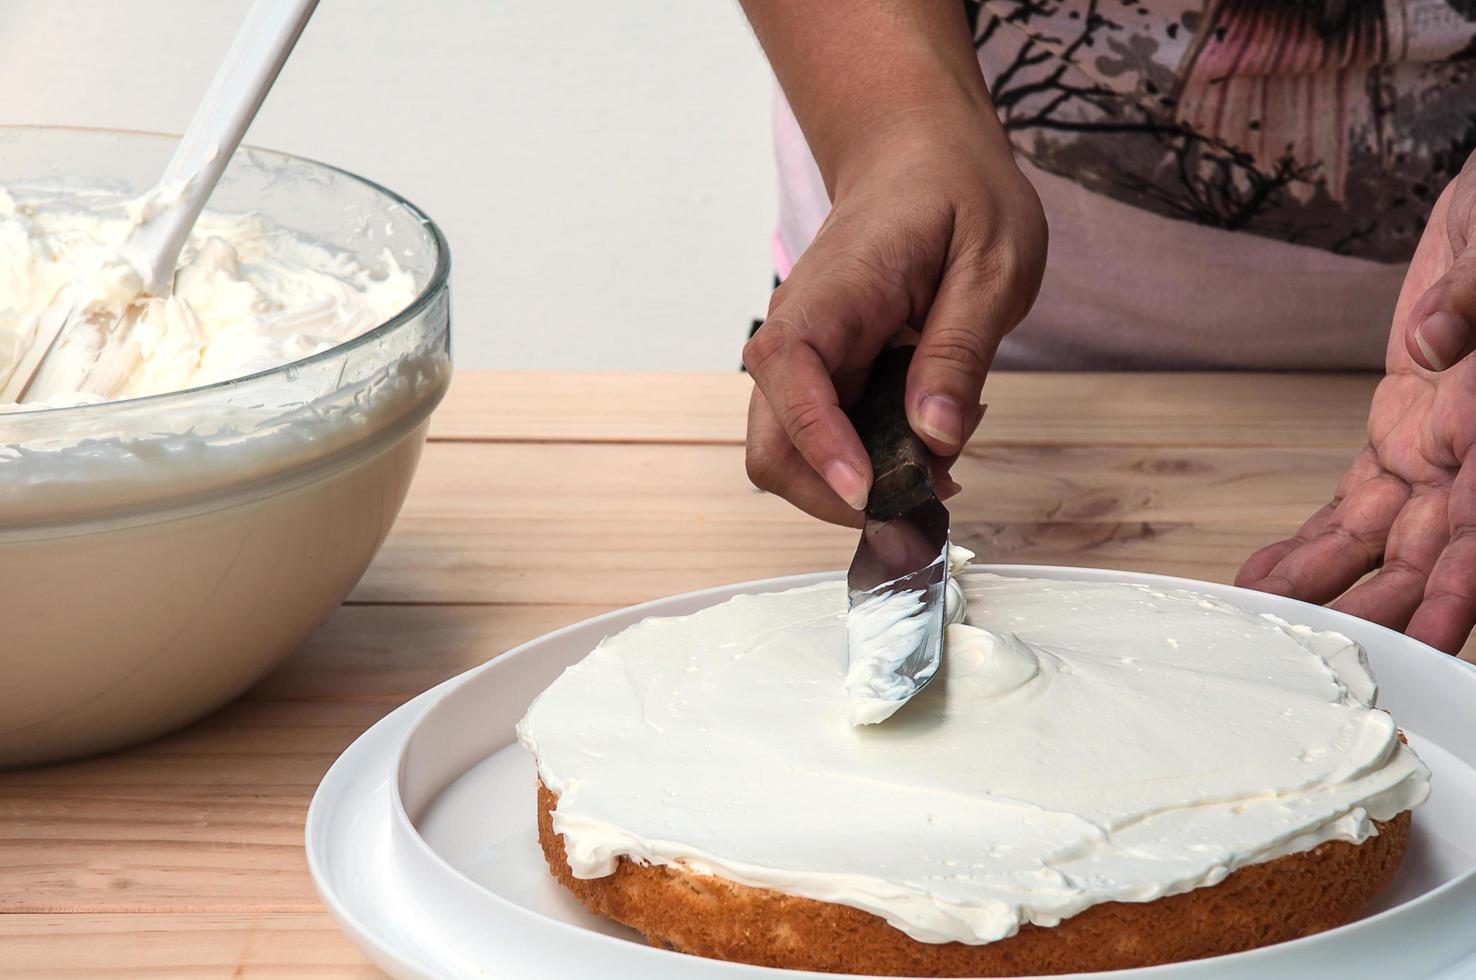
(212, 397)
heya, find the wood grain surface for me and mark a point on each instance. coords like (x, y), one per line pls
(542, 500)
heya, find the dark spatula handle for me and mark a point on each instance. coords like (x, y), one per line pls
(902, 468)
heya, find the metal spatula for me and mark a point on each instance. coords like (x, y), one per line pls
(169, 210)
(898, 579)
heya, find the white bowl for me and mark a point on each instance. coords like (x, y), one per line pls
(423, 845)
(159, 555)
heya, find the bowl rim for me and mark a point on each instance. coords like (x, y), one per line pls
(434, 285)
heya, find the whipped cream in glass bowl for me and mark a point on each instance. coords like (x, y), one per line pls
(181, 506)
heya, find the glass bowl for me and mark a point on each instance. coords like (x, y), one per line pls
(158, 555)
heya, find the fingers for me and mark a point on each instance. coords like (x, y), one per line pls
(1348, 545)
(1447, 612)
(854, 289)
(979, 300)
(801, 398)
(776, 466)
(1260, 564)
(826, 324)
(1422, 540)
(1416, 539)
(1440, 331)
(1365, 467)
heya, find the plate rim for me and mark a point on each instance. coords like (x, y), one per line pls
(427, 701)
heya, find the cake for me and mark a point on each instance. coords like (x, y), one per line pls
(1103, 776)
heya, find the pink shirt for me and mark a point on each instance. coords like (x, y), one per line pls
(1228, 183)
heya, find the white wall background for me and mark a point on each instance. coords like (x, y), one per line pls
(602, 168)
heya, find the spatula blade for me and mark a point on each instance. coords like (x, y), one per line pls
(898, 582)
(899, 577)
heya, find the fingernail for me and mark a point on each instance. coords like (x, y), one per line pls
(847, 482)
(949, 488)
(941, 418)
(1441, 337)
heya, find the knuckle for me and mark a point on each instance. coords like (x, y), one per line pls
(1464, 531)
(805, 422)
(1461, 595)
(831, 335)
(777, 297)
(761, 469)
(1401, 567)
(1281, 583)
(958, 348)
(771, 340)
(1366, 548)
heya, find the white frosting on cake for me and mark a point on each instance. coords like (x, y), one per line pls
(1085, 742)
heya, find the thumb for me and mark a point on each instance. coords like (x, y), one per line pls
(1440, 322)
(963, 329)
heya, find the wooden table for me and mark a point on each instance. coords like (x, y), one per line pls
(544, 499)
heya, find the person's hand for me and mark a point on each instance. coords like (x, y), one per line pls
(1408, 503)
(933, 227)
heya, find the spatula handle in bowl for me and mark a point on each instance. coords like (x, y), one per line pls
(901, 466)
(257, 54)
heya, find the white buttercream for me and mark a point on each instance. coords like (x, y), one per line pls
(1085, 742)
(248, 295)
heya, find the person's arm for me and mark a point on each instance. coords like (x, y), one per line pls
(932, 226)
(854, 70)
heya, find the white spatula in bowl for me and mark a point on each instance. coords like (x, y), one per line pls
(168, 211)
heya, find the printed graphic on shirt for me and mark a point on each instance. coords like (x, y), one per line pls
(1328, 123)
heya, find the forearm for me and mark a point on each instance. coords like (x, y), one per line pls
(855, 70)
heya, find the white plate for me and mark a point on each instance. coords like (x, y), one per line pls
(423, 845)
